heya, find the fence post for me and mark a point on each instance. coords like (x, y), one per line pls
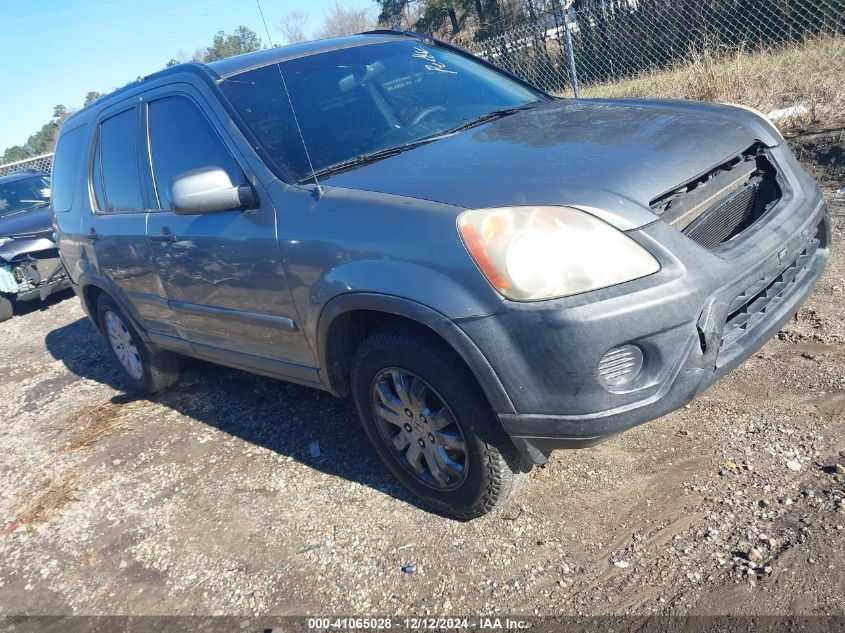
(570, 55)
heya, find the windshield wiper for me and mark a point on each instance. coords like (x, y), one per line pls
(372, 157)
(364, 159)
(38, 205)
(491, 116)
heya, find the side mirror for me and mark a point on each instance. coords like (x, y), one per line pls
(209, 190)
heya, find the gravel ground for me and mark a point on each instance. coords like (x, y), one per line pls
(208, 500)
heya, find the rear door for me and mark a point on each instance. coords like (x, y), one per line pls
(115, 229)
(221, 271)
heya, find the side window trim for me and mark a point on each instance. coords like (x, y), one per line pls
(95, 170)
(166, 92)
(96, 147)
(152, 186)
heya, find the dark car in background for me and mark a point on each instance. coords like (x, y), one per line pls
(30, 267)
(491, 273)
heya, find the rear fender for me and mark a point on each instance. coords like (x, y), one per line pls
(87, 283)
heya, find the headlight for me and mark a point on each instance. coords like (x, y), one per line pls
(532, 253)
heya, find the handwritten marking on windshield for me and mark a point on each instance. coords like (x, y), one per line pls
(432, 64)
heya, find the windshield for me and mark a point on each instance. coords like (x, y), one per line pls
(25, 193)
(356, 101)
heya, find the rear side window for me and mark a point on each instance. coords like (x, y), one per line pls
(116, 165)
(181, 140)
(70, 156)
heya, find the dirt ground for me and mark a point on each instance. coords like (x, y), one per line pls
(207, 500)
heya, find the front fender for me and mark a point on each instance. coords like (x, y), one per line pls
(424, 315)
(423, 285)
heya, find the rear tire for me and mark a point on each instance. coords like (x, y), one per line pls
(431, 424)
(144, 370)
(7, 310)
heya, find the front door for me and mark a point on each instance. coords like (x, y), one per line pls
(222, 272)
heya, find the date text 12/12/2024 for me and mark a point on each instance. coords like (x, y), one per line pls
(415, 624)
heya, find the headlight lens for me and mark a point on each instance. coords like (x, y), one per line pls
(533, 253)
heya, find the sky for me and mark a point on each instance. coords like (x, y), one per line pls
(56, 51)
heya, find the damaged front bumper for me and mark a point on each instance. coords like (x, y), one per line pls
(702, 315)
(26, 276)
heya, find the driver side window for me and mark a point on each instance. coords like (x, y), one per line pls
(181, 140)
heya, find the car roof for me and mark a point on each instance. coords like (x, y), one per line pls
(23, 174)
(224, 68)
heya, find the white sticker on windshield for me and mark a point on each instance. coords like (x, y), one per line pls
(432, 64)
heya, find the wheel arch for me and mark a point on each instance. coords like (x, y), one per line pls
(348, 319)
(90, 290)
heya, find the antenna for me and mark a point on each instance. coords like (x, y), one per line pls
(318, 191)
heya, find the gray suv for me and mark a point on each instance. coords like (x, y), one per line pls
(490, 272)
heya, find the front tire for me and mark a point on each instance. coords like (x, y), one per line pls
(144, 370)
(431, 424)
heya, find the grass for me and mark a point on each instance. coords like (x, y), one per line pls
(85, 427)
(55, 495)
(811, 74)
(91, 424)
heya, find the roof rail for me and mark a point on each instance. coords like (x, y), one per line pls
(413, 34)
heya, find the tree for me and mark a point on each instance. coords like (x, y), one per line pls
(472, 19)
(42, 142)
(342, 21)
(15, 153)
(241, 40)
(434, 15)
(396, 14)
(91, 97)
(292, 26)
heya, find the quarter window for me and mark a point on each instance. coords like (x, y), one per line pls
(70, 156)
(182, 140)
(116, 165)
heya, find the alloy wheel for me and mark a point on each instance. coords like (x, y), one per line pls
(123, 345)
(420, 428)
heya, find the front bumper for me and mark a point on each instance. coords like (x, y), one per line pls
(28, 289)
(702, 315)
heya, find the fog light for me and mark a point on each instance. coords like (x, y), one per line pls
(620, 366)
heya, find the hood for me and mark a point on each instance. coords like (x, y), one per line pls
(610, 157)
(29, 222)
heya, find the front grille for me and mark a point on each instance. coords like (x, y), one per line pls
(751, 306)
(722, 204)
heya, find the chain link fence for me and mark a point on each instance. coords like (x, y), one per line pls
(590, 43)
(38, 163)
